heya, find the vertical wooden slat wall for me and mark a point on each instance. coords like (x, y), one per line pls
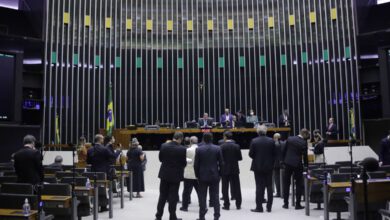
(172, 60)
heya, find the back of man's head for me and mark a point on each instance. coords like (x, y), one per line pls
(58, 159)
(187, 141)
(262, 130)
(305, 133)
(227, 135)
(207, 137)
(178, 136)
(370, 164)
(194, 140)
(29, 139)
(98, 138)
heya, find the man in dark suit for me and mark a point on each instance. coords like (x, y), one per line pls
(173, 161)
(279, 145)
(207, 166)
(284, 119)
(331, 130)
(384, 154)
(230, 171)
(57, 162)
(205, 122)
(28, 162)
(100, 158)
(262, 151)
(293, 152)
(227, 119)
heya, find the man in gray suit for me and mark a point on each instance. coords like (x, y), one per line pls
(208, 163)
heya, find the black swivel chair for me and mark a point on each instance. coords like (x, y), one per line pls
(337, 201)
(100, 176)
(54, 209)
(344, 163)
(335, 167)
(316, 192)
(17, 188)
(355, 170)
(385, 168)
(83, 208)
(377, 175)
(50, 179)
(63, 174)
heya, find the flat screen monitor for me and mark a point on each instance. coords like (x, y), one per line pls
(7, 86)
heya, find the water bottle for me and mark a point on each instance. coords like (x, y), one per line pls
(88, 184)
(26, 207)
(328, 178)
(85, 170)
(125, 166)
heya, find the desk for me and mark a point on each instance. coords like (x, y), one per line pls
(329, 187)
(92, 191)
(53, 201)
(17, 214)
(308, 181)
(123, 136)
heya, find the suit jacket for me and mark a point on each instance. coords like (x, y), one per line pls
(208, 163)
(282, 123)
(28, 166)
(294, 151)
(56, 165)
(231, 153)
(333, 130)
(101, 158)
(279, 146)
(241, 121)
(209, 122)
(262, 151)
(225, 118)
(173, 161)
(384, 154)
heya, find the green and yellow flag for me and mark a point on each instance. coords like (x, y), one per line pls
(352, 127)
(110, 121)
(57, 123)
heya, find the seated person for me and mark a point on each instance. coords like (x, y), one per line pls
(252, 118)
(205, 122)
(241, 119)
(226, 119)
(57, 162)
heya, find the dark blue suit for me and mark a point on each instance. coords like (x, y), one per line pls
(332, 128)
(207, 166)
(224, 120)
(173, 158)
(384, 154)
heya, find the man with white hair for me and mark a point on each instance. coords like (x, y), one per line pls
(190, 180)
(262, 151)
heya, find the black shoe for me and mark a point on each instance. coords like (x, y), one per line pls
(238, 207)
(233, 198)
(277, 195)
(211, 205)
(225, 208)
(268, 209)
(298, 207)
(184, 209)
(257, 210)
(103, 209)
(285, 206)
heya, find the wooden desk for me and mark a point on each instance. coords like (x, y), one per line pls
(339, 185)
(53, 201)
(123, 136)
(17, 214)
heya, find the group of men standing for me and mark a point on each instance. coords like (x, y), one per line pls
(203, 165)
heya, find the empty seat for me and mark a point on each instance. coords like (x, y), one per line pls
(344, 163)
(316, 193)
(52, 170)
(63, 174)
(337, 201)
(57, 190)
(16, 201)
(385, 168)
(377, 175)
(83, 208)
(17, 188)
(332, 166)
(79, 181)
(67, 167)
(50, 179)
(355, 170)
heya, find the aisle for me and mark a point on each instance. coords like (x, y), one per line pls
(145, 208)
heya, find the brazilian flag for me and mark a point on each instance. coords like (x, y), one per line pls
(352, 127)
(57, 124)
(110, 121)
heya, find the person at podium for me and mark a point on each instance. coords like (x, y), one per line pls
(206, 122)
(227, 119)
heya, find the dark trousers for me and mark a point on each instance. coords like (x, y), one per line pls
(234, 181)
(214, 197)
(189, 184)
(277, 180)
(169, 191)
(298, 178)
(264, 181)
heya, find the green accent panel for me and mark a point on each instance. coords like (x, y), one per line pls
(117, 62)
(262, 60)
(200, 63)
(348, 52)
(75, 59)
(180, 64)
(304, 57)
(97, 60)
(138, 62)
(160, 62)
(283, 59)
(241, 61)
(221, 62)
(53, 57)
(326, 55)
